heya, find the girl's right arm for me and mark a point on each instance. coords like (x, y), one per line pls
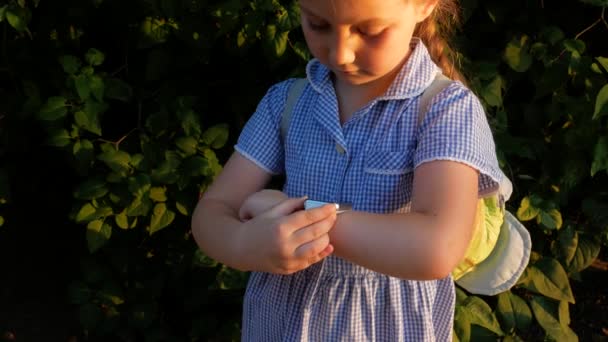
(282, 240)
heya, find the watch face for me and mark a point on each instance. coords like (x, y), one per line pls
(340, 207)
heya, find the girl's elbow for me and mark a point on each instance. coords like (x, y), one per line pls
(438, 266)
(441, 259)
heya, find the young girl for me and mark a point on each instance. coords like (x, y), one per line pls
(380, 272)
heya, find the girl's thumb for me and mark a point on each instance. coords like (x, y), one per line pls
(288, 206)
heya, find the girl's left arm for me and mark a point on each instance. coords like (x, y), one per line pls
(426, 243)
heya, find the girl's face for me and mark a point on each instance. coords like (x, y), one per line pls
(362, 41)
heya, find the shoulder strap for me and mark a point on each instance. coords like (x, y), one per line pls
(439, 83)
(294, 92)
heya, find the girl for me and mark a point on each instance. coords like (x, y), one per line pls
(380, 272)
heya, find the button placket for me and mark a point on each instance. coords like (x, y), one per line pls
(340, 149)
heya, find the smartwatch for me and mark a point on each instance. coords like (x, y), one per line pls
(340, 207)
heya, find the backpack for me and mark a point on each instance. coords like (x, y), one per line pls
(499, 250)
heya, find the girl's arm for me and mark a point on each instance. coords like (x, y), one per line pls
(282, 239)
(426, 243)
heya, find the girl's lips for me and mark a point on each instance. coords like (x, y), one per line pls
(348, 72)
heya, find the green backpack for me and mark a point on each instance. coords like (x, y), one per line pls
(500, 248)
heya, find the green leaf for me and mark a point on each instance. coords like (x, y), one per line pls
(98, 234)
(289, 17)
(229, 278)
(3, 12)
(167, 172)
(600, 156)
(492, 92)
(139, 207)
(187, 145)
(70, 64)
(190, 122)
(122, 220)
(154, 31)
(53, 109)
(301, 50)
(84, 151)
(280, 43)
(549, 278)
(575, 46)
(139, 185)
(161, 218)
(481, 314)
(117, 89)
(97, 87)
(552, 34)
(116, 160)
(551, 219)
(517, 55)
(91, 189)
(59, 138)
(86, 213)
(82, 86)
(88, 121)
(94, 57)
(462, 324)
(527, 211)
(213, 167)
(17, 19)
(603, 61)
(195, 166)
(566, 244)
(601, 103)
(564, 313)
(95, 108)
(158, 194)
(216, 136)
(199, 259)
(587, 250)
(545, 311)
(182, 209)
(513, 312)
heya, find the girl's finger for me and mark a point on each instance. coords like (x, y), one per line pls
(312, 249)
(313, 231)
(304, 218)
(286, 207)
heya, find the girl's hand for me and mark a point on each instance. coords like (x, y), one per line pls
(260, 202)
(285, 239)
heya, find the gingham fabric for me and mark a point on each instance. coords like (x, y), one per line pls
(368, 162)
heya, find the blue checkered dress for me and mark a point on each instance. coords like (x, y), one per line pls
(368, 162)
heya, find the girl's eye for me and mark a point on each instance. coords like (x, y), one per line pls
(318, 26)
(370, 32)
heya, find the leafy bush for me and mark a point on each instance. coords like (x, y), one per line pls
(141, 100)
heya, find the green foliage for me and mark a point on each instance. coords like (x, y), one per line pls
(141, 100)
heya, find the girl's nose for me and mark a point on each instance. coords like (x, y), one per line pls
(342, 52)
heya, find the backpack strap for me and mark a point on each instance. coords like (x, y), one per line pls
(294, 92)
(439, 83)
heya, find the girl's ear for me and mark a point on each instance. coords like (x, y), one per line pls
(425, 9)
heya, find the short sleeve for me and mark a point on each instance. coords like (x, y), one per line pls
(456, 128)
(260, 139)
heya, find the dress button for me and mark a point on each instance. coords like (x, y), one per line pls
(340, 149)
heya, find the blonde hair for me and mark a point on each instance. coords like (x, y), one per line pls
(434, 32)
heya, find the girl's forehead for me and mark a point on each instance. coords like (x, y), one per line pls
(355, 10)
